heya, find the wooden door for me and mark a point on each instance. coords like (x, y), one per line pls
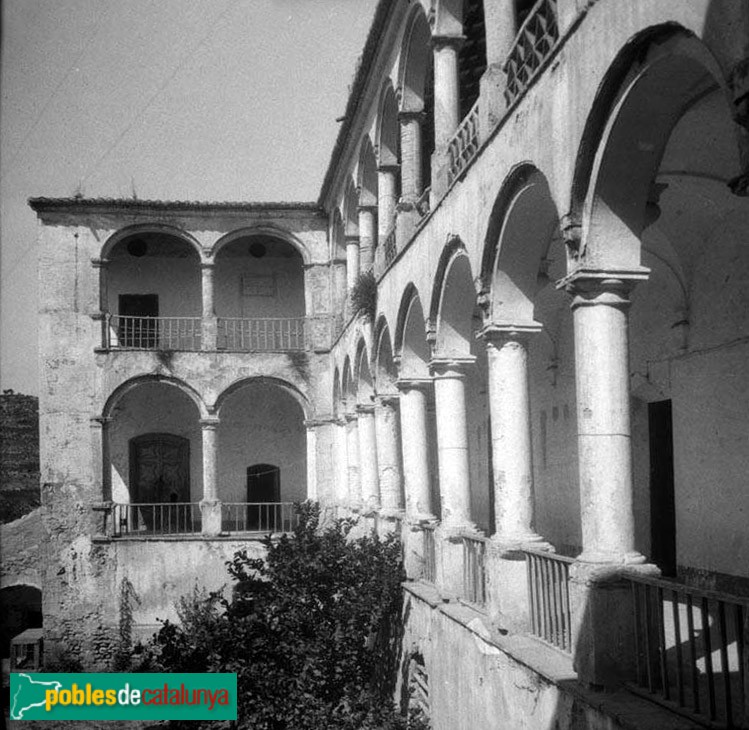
(160, 474)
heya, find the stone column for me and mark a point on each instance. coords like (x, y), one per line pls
(340, 448)
(512, 465)
(367, 236)
(446, 88)
(501, 28)
(415, 449)
(512, 459)
(210, 506)
(600, 311)
(388, 455)
(102, 265)
(311, 431)
(369, 477)
(410, 130)
(352, 462)
(600, 596)
(101, 471)
(352, 260)
(210, 322)
(452, 441)
(387, 185)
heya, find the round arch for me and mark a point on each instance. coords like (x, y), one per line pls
(284, 385)
(388, 129)
(348, 385)
(367, 173)
(350, 215)
(261, 230)
(363, 374)
(143, 228)
(129, 385)
(523, 224)
(411, 344)
(453, 301)
(414, 63)
(385, 370)
(655, 78)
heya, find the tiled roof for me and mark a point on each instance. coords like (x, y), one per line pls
(38, 204)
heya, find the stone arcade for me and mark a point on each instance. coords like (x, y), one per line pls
(550, 405)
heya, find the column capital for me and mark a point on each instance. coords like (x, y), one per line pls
(406, 384)
(209, 422)
(351, 239)
(390, 167)
(100, 263)
(497, 334)
(451, 367)
(387, 400)
(208, 265)
(411, 116)
(599, 286)
(367, 208)
(101, 421)
(349, 417)
(448, 41)
(311, 423)
(365, 408)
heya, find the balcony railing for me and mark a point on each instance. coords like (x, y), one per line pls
(474, 570)
(169, 518)
(430, 554)
(258, 517)
(390, 246)
(533, 45)
(692, 649)
(464, 144)
(153, 333)
(261, 335)
(549, 596)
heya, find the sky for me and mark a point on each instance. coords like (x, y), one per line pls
(214, 100)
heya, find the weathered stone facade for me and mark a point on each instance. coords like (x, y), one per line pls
(549, 402)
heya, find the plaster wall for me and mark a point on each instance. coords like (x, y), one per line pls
(262, 425)
(288, 285)
(152, 575)
(176, 281)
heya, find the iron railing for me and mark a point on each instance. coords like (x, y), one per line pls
(258, 517)
(474, 570)
(430, 554)
(464, 144)
(533, 44)
(167, 518)
(692, 649)
(549, 596)
(153, 333)
(269, 334)
(390, 246)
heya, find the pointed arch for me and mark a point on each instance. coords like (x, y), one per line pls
(388, 130)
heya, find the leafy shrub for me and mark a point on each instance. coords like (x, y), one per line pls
(313, 632)
(364, 295)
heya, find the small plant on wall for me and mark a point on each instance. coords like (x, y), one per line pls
(364, 295)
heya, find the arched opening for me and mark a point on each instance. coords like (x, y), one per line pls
(417, 82)
(21, 609)
(472, 55)
(154, 447)
(261, 423)
(153, 292)
(414, 366)
(524, 257)
(658, 196)
(458, 321)
(260, 298)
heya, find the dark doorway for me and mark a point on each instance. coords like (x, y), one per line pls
(138, 324)
(263, 488)
(160, 476)
(662, 501)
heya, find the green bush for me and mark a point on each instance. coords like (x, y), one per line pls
(313, 632)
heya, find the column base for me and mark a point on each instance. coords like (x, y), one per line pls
(598, 557)
(210, 511)
(603, 624)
